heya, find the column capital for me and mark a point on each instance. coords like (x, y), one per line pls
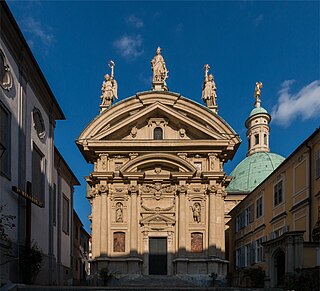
(133, 189)
(103, 189)
(182, 189)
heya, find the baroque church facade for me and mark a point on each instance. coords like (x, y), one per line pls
(158, 187)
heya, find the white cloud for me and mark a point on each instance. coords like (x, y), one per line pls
(304, 104)
(129, 47)
(36, 31)
(134, 21)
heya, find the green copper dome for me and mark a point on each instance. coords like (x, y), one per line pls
(257, 110)
(253, 170)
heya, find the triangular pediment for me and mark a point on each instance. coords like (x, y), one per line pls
(157, 219)
(177, 125)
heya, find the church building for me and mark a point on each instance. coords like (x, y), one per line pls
(158, 187)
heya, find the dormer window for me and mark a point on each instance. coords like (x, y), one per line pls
(158, 133)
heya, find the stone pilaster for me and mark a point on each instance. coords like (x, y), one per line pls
(212, 221)
(104, 220)
(182, 189)
(96, 219)
(133, 188)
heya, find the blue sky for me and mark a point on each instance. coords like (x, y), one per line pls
(243, 41)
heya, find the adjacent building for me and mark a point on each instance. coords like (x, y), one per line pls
(81, 268)
(276, 226)
(36, 184)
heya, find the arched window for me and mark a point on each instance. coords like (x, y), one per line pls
(158, 133)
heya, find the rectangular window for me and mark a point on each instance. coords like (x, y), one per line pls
(259, 250)
(259, 207)
(256, 139)
(4, 141)
(247, 255)
(37, 174)
(265, 139)
(238, 258)
(249, 213)
(277, 191)
(65, 213)
(240, 221)
(317, 164)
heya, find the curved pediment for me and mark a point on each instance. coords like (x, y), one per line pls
(130, 125)
(154, 104)
(163, 161)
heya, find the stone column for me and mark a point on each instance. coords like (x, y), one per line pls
(104, 220)
(133, 188)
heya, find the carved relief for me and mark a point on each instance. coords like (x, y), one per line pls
(214, 162)
(104, 161)
(38, 123)
(196, 211)
(157, 189)
(196, 242)
(6, 79)
(163, 205)
(134, 132)
(119, 212)
(119, 242)
(94, 192)
(182, 132)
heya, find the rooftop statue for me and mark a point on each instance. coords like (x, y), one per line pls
(109, 88)
(209, 90)
(160, 72)
(257, 94)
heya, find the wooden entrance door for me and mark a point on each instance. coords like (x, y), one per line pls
(157, 256)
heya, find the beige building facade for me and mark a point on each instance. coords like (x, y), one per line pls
(158, 186)
(276, 227)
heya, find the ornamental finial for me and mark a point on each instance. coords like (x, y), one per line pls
(109, 88)
(257, 94)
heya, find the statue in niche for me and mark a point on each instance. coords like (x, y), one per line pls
(119, 212)
(209, 89)
(196, 209)
(257, 93)
(160, 72)
(109, 88)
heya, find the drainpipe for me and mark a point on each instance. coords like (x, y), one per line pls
(310, 192)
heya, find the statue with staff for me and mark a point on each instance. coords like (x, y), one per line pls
(109, 88)
(209, 89)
